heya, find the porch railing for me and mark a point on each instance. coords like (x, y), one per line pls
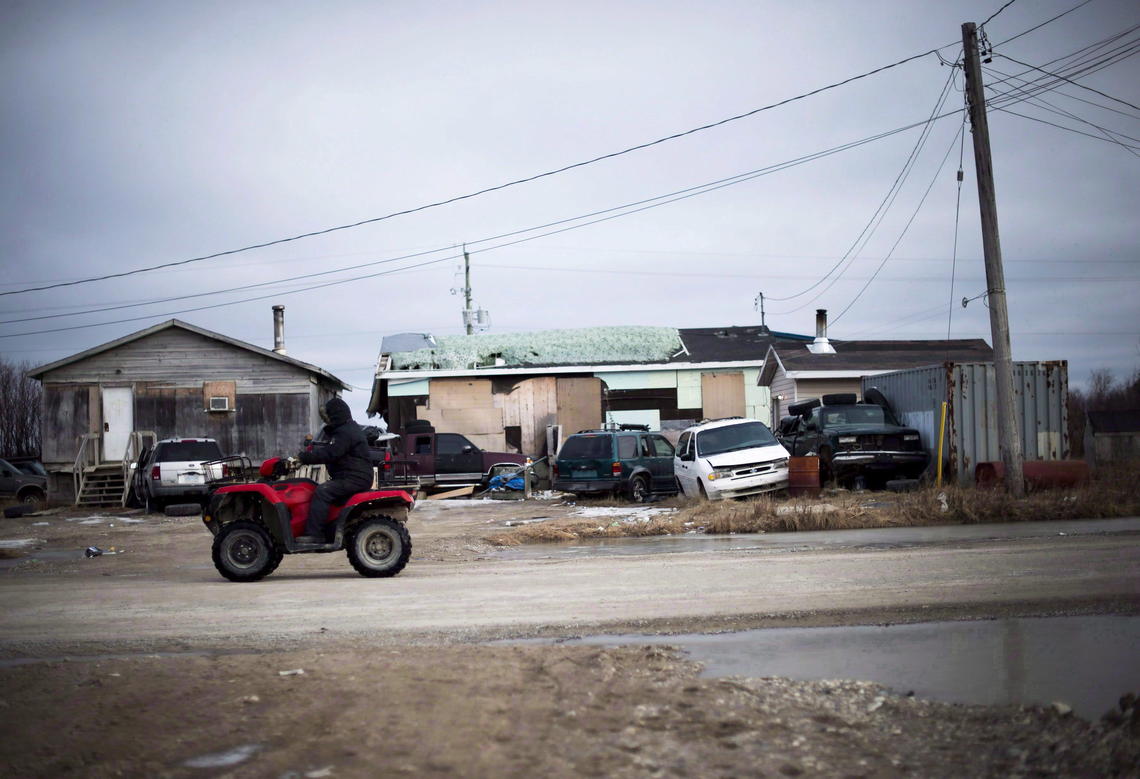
(88, 457)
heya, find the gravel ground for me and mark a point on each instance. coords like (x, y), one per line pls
(446, 703)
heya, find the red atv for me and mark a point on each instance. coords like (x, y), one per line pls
(256, 523)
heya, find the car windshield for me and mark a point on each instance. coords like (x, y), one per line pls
(583, 447)
(854, 415)
(35, 469)
(188, 451)
(746, 435)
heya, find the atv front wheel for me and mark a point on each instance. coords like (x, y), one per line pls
(244, 552)
(379, 546)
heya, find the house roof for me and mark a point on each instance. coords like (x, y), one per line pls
(1124, 421)
(726, 344)
(583, 348)
(39, 372)
(856, 358)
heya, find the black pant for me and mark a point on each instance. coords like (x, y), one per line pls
(331, 492)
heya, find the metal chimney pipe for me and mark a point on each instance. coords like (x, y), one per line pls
(279, 329)
(821, 345)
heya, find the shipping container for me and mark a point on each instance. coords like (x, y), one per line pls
(969, 390)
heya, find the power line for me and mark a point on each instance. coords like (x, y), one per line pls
(1070, 81)
(621, 211)
(495, 188)
(995, 13)
(1076, 7)
(906, 227)
(880, 212)
(1047, 106)
(1129, 147)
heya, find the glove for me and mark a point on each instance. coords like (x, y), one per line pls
(292, 463)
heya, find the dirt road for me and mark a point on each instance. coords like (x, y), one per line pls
(169, 664)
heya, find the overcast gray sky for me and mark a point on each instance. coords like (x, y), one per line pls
(141, 133)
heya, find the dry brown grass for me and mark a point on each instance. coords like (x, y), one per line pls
(1114, 492)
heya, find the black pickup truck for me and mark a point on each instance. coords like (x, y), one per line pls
(418, 454)
(855, 441)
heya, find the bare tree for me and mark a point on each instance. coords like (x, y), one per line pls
(20, 399)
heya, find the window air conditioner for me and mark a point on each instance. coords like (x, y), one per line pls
(220, 403)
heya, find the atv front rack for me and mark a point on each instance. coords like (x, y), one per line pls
(235, 469)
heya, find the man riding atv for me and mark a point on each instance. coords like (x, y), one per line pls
(343, 449)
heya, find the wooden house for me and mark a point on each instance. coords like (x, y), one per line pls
(171, 380)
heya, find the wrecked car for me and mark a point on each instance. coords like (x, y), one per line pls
(629, 461)
(859, 443)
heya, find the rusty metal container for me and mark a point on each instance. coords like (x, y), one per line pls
(1039, 474)
(970, 391)
(803, 476)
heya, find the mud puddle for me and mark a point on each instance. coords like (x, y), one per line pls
(1086, 662)
(868, 538)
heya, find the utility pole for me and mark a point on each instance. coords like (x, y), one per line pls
(1009, 438)
(467, 292)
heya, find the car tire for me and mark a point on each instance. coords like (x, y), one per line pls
(32, 496)
(639, 489)
(151, 504)
(379, 547)
(183, 509)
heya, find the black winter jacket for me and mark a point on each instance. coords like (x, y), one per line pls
(342, 447)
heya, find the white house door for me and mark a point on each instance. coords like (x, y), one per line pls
(118, 421)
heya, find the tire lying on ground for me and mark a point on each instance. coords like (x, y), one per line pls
(183, 509)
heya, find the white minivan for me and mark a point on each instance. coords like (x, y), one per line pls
(730, 458)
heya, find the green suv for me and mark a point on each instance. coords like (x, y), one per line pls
(628, 461)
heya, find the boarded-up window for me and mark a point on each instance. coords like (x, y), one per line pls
(722, 394)
(579, 404)
(219, 395)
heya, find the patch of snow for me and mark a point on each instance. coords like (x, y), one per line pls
(621, 514)
(815, 508)
(18, 543)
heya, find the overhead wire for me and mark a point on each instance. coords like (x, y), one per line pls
(486, 190)
(880, 211)
(609, 213)
(489, 189)
(1070, 81)
(906, 227)
(995, 13)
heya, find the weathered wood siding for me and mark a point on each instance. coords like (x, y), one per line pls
(783, 395)
(65, 418)
(180, 358)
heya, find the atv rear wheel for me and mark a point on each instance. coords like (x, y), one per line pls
(379, 546)
(244, 552)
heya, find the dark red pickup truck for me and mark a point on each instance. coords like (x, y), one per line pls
(442, 459)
